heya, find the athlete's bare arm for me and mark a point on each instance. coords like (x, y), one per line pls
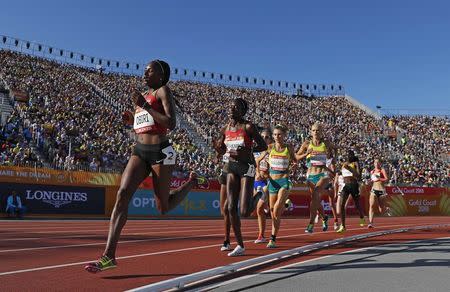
(292, 153)
(336, 186)
(385, 176)
(303, 151)
(219, 144)
(168, 119)
(261, 157)
(256, 136)
(357, 172)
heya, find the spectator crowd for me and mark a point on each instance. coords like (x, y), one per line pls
(72, 120)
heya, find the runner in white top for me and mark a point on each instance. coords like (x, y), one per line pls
(378, 177)
(338, 186)
(260, 185)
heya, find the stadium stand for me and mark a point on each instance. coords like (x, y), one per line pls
(72, 120)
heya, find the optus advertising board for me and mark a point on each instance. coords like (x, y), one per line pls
(196, 203)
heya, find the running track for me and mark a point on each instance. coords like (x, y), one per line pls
(50, 255)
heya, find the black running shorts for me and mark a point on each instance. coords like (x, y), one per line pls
(378, 193)
(222, 176)
(240, 169)
(351, 189)
(156, 153)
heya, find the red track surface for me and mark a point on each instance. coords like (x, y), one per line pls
(50, 255)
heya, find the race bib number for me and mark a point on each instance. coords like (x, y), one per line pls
(226, 157)
(319, 160)
(280, 163)
(143, 120)
(251, 171)
(234, 144)
(263, 165)
(171, 155)
(346, 172)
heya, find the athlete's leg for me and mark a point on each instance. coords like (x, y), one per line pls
(315, 198)
(343, 204)
(277, 208)
(339, 208)
(381, 203)
(224, 211)
(372, 199)
(347, 202)
(135, 172)
(233, 189)
(359, 207)
(333, 208)
(167, 199)
(261, 215)
(246, 196)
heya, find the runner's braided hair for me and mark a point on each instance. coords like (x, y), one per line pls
(165, 70)
(244, 104)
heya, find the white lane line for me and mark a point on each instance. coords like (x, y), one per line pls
(95, 232)
(106, 230)
(105, 235)
(125, 241)
(81, 228)
(246, 224)
(139, 240)
(160, 252)
(131, 224)
(105, 221)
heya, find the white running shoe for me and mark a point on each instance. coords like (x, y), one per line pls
(289, 205)
(316, 220)
(387, 212)
(238, 251)
(225, 247)
(336, 226)
(260, 239)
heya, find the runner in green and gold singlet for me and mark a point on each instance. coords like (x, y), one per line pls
(317, 152)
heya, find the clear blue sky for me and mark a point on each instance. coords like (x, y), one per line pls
(392, 53)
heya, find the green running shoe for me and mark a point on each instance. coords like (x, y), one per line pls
(362, 222)
(341, 229)
(104, 263)
(325, 223)
(271, 244)
(309, 229)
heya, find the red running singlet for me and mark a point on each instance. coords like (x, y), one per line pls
(144, 122)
